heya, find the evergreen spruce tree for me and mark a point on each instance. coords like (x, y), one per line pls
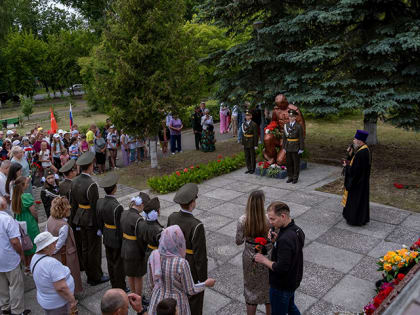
(327, 56)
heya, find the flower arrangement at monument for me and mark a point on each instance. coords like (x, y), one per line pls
(395, 265)
(273, 128)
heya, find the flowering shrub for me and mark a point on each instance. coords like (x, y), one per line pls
(395, 265)
(196, 174)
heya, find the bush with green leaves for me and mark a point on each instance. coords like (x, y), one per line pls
(27, 106)
(196, 174)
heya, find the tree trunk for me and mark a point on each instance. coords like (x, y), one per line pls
(371, 125)
(153, 153)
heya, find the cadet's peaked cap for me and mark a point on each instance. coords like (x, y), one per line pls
(109, 180)
(145, 197)
(186, 194)
(152, 204)
(68, 166)
(48, 172)
(86, 158)
(248, 113)
(292, 112)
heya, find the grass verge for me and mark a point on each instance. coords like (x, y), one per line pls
(395, 158)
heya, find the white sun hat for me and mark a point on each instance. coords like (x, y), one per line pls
(44, 239)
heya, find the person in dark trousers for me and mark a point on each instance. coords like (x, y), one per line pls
(109, 214)
(356, 182)
(196, 125)
(195, 238)
(69, 172)
(293, 144)
(286, 264)
(249, 141)
(84, 195)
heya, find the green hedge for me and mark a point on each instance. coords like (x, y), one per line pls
(196, 174)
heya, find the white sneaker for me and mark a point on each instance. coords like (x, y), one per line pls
(173, 153)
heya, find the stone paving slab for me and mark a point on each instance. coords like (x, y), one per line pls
(340, 260)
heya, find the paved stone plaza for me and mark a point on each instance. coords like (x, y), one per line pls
(340, 261)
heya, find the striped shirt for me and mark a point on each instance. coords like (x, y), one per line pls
(177, 283)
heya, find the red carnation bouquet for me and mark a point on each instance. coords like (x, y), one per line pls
(273, 128)
(260, 243)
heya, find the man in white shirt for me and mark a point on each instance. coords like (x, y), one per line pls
(4, 170)
(11, 253)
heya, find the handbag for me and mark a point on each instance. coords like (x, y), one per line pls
(25, 239)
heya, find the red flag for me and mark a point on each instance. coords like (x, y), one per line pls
(54, 126)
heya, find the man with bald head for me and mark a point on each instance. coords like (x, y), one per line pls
(115, 302)
(4, 170)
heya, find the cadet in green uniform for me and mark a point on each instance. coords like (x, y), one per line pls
(132, 253)
(195, 239)
(148, 230)
(108, 214)
(249, 141)
(84, 195)
(69, 172)
(293, 145)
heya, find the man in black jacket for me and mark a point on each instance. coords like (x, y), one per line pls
(196, 125)
(286, 264)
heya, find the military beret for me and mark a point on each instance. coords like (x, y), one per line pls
(86, 158)
(152, 204)
(68, 166)
(109, 180)
(186, 194)
(292, 112)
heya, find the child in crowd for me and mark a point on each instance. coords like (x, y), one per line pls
(27, 148)
(45, 157)
(167, 307)
(56, 147)
(64, 157)
(83, 144)
(74, 149)
(49, 191)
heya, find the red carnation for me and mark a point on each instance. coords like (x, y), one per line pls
(400, 276)
(398, 186)
(377, 301)
(185, 170)
(28, 149)
(261, 240)
(192, 167)
(38, 202)
(178, 173)
(260, 163)
(219, 156)
(219, 161)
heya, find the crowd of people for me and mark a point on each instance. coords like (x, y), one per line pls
(165, 268)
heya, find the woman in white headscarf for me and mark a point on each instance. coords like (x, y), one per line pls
(18, 156)
(169, 272)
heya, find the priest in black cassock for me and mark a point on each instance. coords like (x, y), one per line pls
(356, 182)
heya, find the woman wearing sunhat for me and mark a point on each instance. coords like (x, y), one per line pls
(53, 280)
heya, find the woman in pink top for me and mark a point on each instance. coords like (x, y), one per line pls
(224, 119)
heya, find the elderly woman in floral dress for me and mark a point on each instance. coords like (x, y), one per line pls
(169, 272)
